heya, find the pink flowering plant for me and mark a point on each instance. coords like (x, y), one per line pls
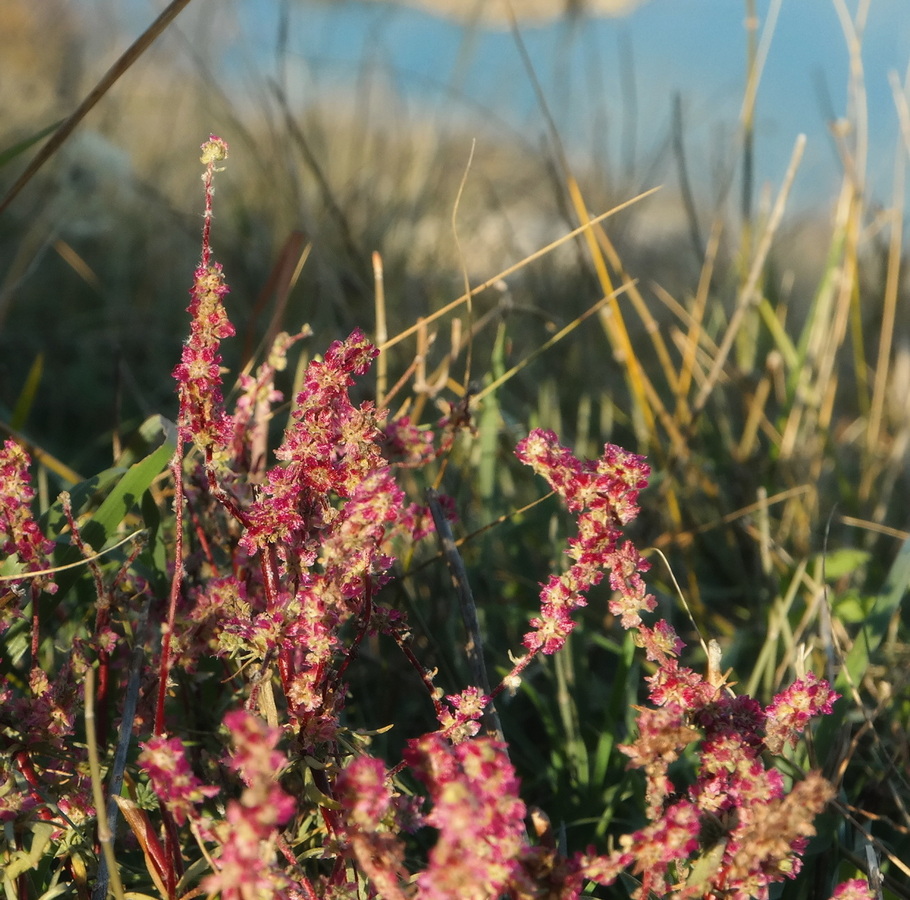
(222, 649)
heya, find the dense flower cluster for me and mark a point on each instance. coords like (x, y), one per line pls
(371, 830)
(164, 759)
(329, 448)
(792, 709)
(20, 536)
(603, 493)
(202, 418)
(253, 408)
(736, 829)
(407, 444)
(249, 832)
(477, 812)
(738, 812)
(855, 889)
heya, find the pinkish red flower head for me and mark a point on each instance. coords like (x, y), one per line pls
(855, 889)
(791, 710)
(604, 494)
(20, 535)
(202, 418)
(164, 759)
(329, 448)
(478, 813)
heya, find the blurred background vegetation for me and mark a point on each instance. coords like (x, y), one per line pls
(757, 353)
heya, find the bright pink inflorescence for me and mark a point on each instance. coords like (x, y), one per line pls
(760, 830)
(855, 889)
(328, 449)
(603, 493)
(313, 547)
(202, 416)
(20, 535)
(249, 834)
(164, 759)
(477, 812)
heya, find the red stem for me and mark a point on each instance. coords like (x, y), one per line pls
(201, 536)
(421, 671)
(165, 667)
(219, 493)
(304, 883)
(172, 848)
(271, 588)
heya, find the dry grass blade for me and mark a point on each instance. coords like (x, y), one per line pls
(110, 78)
(382, 332)
(747, 293)
(454, 304)
(892, 286)
(695, 317)
(550, 342)
(613, 321)
(105, 837)
(281, 281)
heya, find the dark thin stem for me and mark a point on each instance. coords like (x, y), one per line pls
(685, 186)
(219, 493)
(271, 587)
(402, 641)
(474, 644)
(123, 744)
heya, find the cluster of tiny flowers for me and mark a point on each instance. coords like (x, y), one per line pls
(246, 864)
(202, 418)
(49, 769)
(477, 812)
(371, 830)
(408, 444)
(164, 759)
(603, 493)
(855, 889)
(461, 719)
(255, 400)
(328, 448)
(737, 813)
(20, 536)
(790, 711)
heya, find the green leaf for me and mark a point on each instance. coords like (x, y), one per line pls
(11, 566)
(852, 608)
(138, 479)
(127, 488)
(22, 861)
(843, 562)
(8, 155)
(866, 644)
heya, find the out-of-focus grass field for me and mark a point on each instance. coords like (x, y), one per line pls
(767, 377)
